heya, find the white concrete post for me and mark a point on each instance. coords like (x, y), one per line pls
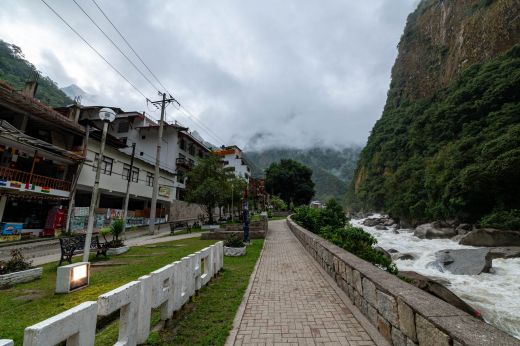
(5, 342)
(163, 291)
(77, 326)
(186, 280)
(218, 256)
(144, 313)
(196, 265)
(125, 299)
(206, 257)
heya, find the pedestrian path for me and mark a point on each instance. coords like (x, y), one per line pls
(291, 302)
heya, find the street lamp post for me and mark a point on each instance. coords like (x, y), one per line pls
(107, 115)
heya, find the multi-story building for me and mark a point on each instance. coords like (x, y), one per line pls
(41, 150)
(233, 157)
(179, 152)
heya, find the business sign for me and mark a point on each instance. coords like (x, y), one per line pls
(164, 191)
(20, 186)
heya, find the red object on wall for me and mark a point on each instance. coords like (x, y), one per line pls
(54, 221)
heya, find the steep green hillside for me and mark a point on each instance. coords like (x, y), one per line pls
(332, 168)
(450, 150)
(15, 70)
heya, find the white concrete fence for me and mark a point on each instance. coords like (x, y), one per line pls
(167, 288)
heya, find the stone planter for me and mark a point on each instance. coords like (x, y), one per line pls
(19, 277)
(211, 228)
(234, 251)
(117, 250)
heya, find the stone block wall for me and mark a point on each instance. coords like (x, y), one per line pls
(402, 313)
(181, 210)
(19, 277)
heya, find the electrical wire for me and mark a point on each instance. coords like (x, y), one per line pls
(116, 46)
(129, 45)
(94, 49)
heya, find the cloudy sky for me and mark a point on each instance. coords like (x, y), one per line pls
(253, 73)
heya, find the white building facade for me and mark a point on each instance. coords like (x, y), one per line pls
(233, 158)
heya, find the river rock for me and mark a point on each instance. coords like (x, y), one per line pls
(389, 222)
(405, 256)
(491, 237)
(392, 251)
(433, 231)
(437, 287)
(504, 252)
(464, 261)
(464, 228)
(385, 253)
(371, 222)
(381, 227)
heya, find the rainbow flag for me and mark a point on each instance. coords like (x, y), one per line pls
(46, 189)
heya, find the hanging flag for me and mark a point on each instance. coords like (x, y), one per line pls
(3, 182)
(46, 189)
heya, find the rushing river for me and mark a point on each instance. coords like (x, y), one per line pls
(496, 294)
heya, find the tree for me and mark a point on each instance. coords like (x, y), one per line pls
(207, 184)
(234, 193)
(291, 181)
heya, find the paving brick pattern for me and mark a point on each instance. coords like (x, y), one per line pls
(291, 303)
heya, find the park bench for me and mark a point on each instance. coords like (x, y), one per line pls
(71, 246)
(187, 224)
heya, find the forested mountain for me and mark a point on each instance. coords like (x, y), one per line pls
(448, 143)
(332, 168)
(15, 70)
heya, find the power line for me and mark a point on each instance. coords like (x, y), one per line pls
(94, 49)
(115, 45)
(130, 46)
(195, 119)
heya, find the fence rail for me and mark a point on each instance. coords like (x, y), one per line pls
(28, 178)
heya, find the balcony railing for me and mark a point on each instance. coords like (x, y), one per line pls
(184, 163)
(40, 180)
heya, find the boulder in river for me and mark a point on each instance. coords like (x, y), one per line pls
(433, 231)
(464, 261)
(491, 237)
(381, 227)
(385, 253)
(464, 228)
(504, 252)
(438, 288)
(372, 222)
(405, 256)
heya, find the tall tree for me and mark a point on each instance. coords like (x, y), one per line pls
(291, 181)
(207, 184)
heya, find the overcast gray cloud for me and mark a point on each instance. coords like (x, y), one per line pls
(257, 73)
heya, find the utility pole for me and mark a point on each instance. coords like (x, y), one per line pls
(129, 180)
(107, 115)
(155, 190)
(232, 211)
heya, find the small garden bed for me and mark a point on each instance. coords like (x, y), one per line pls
(17, 270)
(234, 246)
(116, 246)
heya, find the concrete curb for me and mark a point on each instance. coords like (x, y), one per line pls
(242, 308)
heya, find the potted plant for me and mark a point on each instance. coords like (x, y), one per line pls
(234, 246)
(17, 270)
(115, 246)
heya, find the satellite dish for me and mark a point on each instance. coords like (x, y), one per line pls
(107, 114)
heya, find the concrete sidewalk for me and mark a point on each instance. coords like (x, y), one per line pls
(292, 302)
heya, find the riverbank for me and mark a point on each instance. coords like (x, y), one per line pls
(495, 294)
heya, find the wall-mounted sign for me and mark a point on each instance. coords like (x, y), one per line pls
(20, 186)
(164, 191)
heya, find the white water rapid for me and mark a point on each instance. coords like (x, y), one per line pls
(496, 294)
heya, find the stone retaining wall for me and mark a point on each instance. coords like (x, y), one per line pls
(403, 314)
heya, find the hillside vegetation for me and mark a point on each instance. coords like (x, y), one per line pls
(454, 155)
(15, 70)
(332, 169)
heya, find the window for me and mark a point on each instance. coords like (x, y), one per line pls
(123, 126)
(149, 179)
(143, 137)
(191, 149)
(180, 177)
(201, 154)
(123, 139)
(135, 173)
(182, 144)
(106, 164)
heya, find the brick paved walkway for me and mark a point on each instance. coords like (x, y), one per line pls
(291, 303)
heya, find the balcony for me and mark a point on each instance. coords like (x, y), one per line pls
(183, 163)
(13, 175)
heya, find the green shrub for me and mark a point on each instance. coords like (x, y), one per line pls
(234, 241)
(330, 224)
(15, 264)
(502, 219)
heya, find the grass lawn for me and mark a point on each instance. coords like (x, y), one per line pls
(208, 318)
(26, 304)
